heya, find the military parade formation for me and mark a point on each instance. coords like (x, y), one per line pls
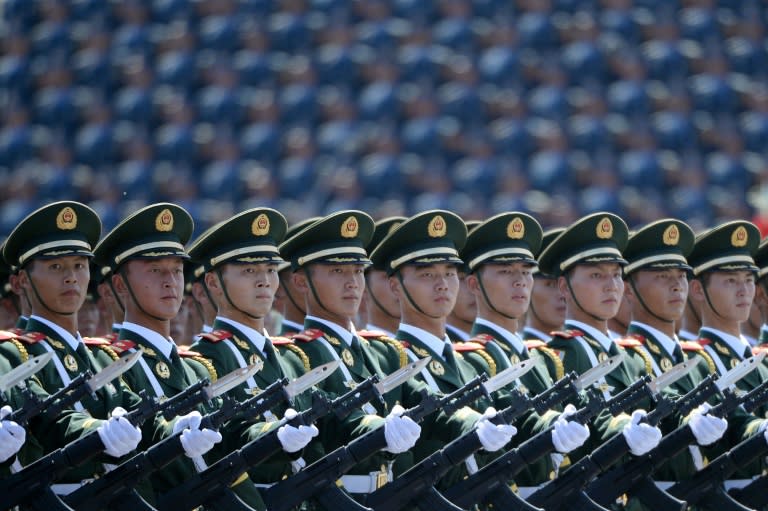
(426, 362)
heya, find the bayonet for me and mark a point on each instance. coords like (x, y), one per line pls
(739, 371)
(310, 379)
(593, 375)
(232, 379)
(508, 375)
(675, 373)
(113, 370)
(402, 375)
(23, 371)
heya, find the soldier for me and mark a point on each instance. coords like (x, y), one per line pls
(500, 258)
(761, 291)
(722, 288)
(617, 325)
(688, 327)
(546, 312)
(288, 300)
(656, 289)
(461, 318)
(112, 308)
(382, 307)
(9, 301)
(12, 435)
(328, 260)
(240, 260)
(146, 254)
(587, 259)
(421, 259)
(52, 247)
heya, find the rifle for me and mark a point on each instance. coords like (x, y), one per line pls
(567, 489)
(705, 488)
(490, 483)
(416, 484)
(111, 489)
(634, 477)
(211, 487)
(26, 485)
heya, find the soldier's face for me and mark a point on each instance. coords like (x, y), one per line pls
(377, 284)
(597, 290)
(157, 285)
(507, 288)
(664, 292)
(61, 284)
(730, 293)
(466, 302)
(338, 290)
(433, 288)
(548, 301)
(251, 288)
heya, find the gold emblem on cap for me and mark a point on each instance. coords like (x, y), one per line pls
(436, 368)
(66, 220)
(70, 363)
(671, 235)
(437, 227)
(605, 229)
(347, 357)
(164, 221)
(516, 229)
(349, 228)
(260, 225)
(162, 370)
(739, 237)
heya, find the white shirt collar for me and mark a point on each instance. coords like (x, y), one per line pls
(666, 341)
(375, 328)
(535, 332)
(738, 344)
(162, 344)
(433, 342)
(461, 334)
(253, 336)
(341, 332)
(207, 329)
(601, 337)
(511, 338)
(291, 324)
(687, 335)
(71, 340)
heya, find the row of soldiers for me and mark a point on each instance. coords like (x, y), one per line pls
(409, 273)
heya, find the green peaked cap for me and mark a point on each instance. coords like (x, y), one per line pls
(596, 238)
(58, 229)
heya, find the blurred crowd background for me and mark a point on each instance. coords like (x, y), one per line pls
(647, 108)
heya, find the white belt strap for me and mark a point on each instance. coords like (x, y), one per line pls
(592, 361)
(63, 374)
(716, 358)
(241, 362)
(198, 461)
(367, 483)
(427, 376)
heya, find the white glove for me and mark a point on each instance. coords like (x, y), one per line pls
(706, 428)
(568, 435)
(292, 438)
(194, 440)
(12, 435)
(493, 436)
(641, 438)
(400, 432)
(118, 435)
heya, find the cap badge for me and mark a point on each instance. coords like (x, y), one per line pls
(516, 229)
(164, 221)
(349, 228)
(66, 220)
(671, 235)
(260, 225)
(437, 227)
(605, 229)
(739, 237)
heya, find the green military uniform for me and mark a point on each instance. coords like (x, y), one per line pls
(154, 232)
(594, 239)
(424, 239)
(340, 238)
(505, 239)
(248, 238)
(761, 260)
(57, 230)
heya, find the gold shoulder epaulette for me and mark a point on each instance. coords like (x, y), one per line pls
(398, 346)
(478, 349)
(300, 353)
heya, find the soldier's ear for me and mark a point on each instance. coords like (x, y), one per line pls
(299, 279)
(696, 291)
(472, 283)
(211, 281)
